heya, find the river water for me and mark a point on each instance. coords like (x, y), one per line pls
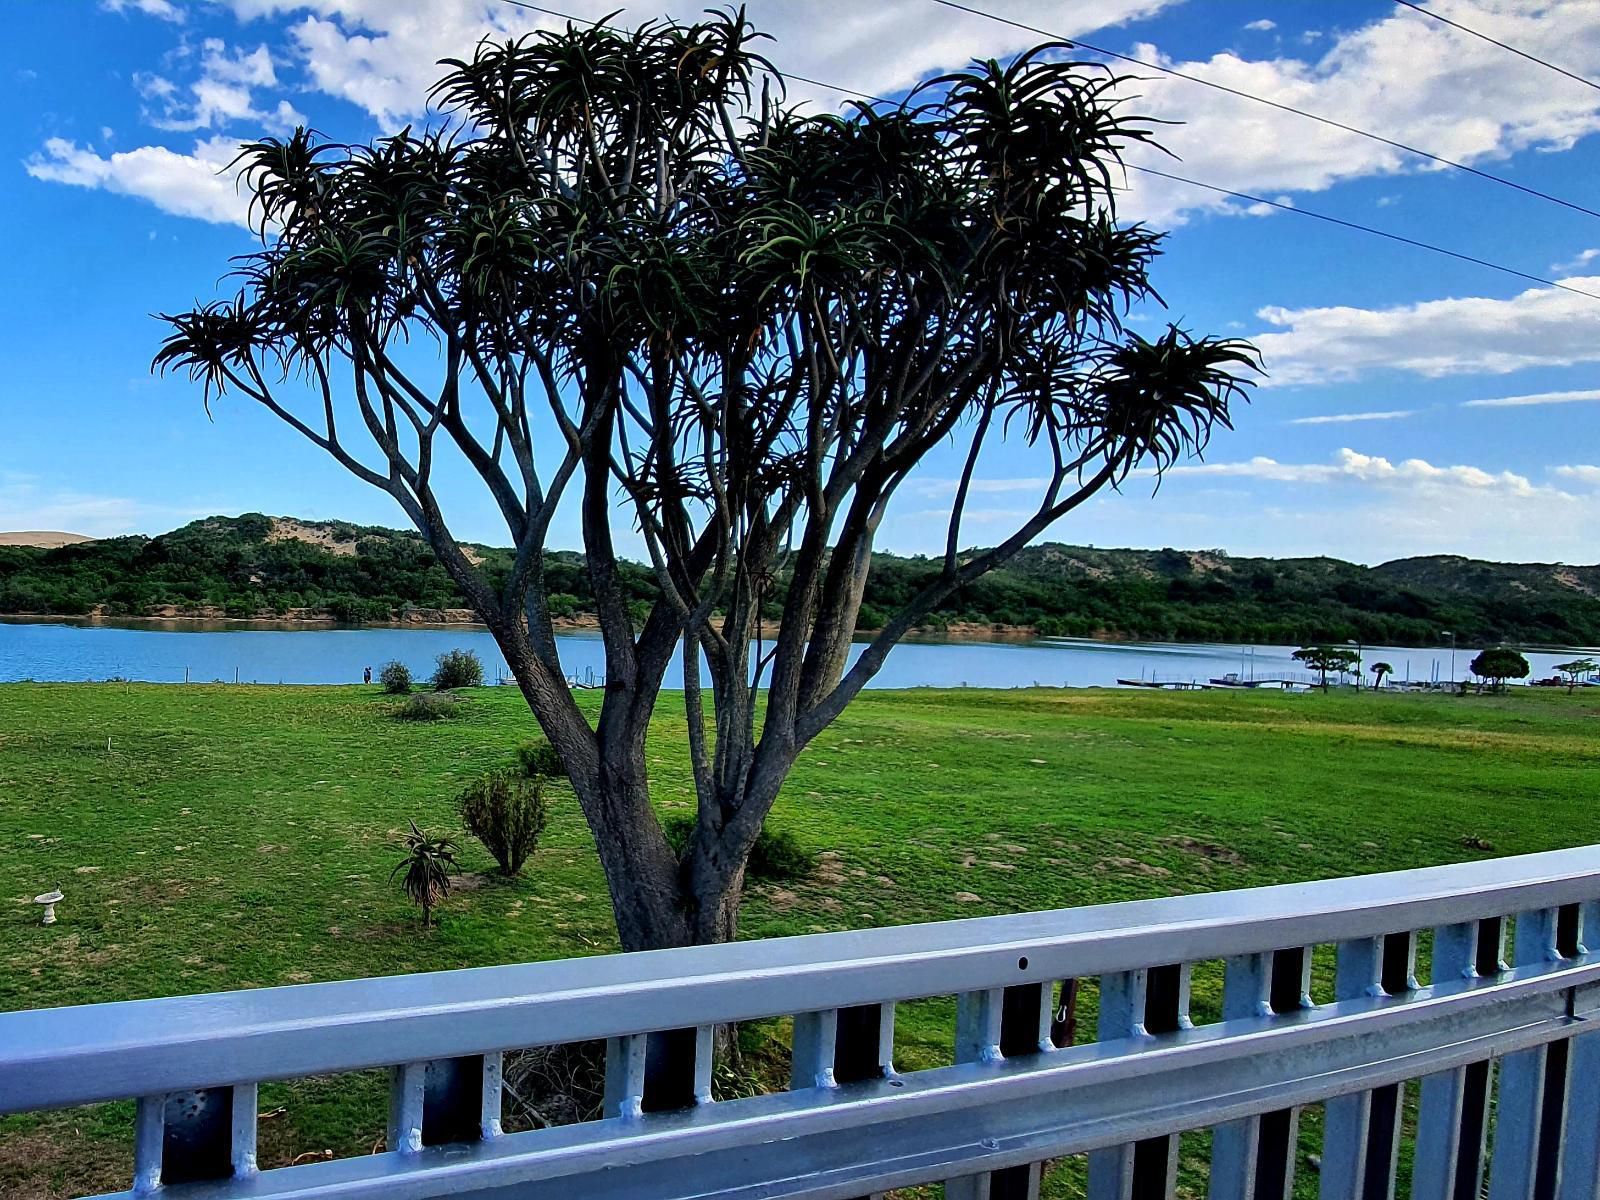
(79, 651)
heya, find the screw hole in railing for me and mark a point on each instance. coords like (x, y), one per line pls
(1022, 963)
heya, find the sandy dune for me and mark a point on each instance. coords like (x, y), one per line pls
(45, 539)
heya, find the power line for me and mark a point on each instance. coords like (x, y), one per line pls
(1246, 196)
(1383, 233)
(1533, 58)
(1288, 108)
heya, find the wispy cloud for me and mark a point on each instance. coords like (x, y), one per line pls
(1587, 475)
(1534, 398)
(1347, 418)
(27, 503)
(1582, 259)
(1262, 26)
(164, 10)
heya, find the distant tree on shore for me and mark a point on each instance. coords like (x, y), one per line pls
(1576, 670)
(1498, 664)
(1379, 670)
(661, 299)
(1328, 658)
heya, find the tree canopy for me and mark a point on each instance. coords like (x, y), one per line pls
(653, 287)
(1328, 658)
(1498, 664)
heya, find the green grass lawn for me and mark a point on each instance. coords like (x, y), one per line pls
(229, 837)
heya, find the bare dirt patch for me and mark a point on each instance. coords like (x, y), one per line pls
(1210, 851)
(1131, 866)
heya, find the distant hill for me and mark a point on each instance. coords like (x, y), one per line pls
(42, 539)
(255, 566)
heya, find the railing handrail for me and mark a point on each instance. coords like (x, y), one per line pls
(76, 1055)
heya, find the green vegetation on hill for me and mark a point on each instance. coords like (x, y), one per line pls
(260, 566)
(211, 838)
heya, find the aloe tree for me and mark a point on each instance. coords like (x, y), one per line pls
(428, 864)
(630, 281)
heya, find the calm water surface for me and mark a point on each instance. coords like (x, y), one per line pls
(72, 652)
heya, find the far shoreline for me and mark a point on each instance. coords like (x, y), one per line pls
(213, 623)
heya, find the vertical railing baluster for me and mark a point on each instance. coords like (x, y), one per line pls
(1253, 1158)
(1530, 1109)
(662, 1071)
(1452, 1120)
(1361, 1139)
(840, 1046)
(443, 1101)
(149, 1119)
(242, 1156)
(1580, 1152)
(624, 1086)
(991, 1025)
(194, 1136)
(1143, 1003)
(406, 1090)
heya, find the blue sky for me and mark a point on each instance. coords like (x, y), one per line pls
(1371, 441)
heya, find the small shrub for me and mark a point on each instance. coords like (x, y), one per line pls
(506, 812)
(428, 864)
(540, 760)
(777, 856)
(457, 669)
(427, 706)
(396, 678)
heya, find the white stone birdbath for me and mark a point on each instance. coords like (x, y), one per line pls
(49, 900)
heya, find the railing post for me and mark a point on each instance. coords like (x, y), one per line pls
(1361, 1139)
(1143, 1003)
(1453, 1119)
(839, 1046)
(1253, 1159)
(1580, 1151)
(1530, 1109)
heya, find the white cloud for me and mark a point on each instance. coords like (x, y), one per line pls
(382, 54)
(1402, 76)
(1347, 418)
(223, 93)
(1536, 398)
(1581, 474)
(1537, 327)
(1369, 508)
(186, 185)
(1352, 466)
(165, 10)
(1262, 26)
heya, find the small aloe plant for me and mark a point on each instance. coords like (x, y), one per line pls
(428, 865)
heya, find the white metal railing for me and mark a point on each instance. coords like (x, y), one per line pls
(1483, 1036)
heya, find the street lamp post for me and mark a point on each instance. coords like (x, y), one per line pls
(1451, 635)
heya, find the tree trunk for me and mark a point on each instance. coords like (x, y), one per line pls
(641, 870)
